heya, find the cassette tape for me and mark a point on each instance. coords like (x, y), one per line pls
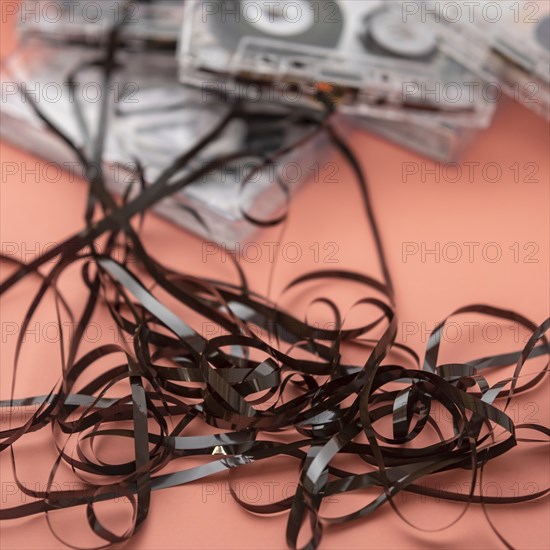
(153, 120)
(506, 42)
(146, 23)
(360, 53)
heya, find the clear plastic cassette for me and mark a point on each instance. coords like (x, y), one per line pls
(153, 120)
(153, 23)
(361, 53)
(507, 42)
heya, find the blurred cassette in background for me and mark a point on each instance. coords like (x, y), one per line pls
(507, 42)
(153, 119)
(147, 23)
(362, 53)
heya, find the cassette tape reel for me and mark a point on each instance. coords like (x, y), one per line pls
(151, 23)
(361, 53)
(506, 42)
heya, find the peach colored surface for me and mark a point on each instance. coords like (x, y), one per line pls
(510, 215)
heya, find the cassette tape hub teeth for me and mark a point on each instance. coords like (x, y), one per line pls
(389, 32)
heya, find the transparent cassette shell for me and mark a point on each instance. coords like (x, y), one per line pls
(505, 42)
(361, 82)
(153, 120)
(154, 23)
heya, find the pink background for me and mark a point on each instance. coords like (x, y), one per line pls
(418, 210)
